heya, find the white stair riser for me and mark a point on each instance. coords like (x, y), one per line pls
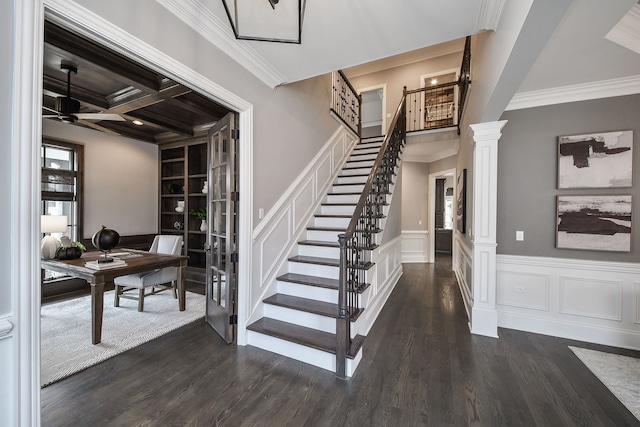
(332, 221)
(363, 157)
(309, 355)
(301, 318)
(368, 150)
(343, 198)
(351, 188)
(337, 210)
(356, 171)
(361, 180)
(360, 163)
(307, 291)
(318, 251)
(325, 236)
(317, 270)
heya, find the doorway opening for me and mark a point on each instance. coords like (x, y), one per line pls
(373, 111)
(441, 214)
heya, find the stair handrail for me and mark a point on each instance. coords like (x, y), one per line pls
(367, 215)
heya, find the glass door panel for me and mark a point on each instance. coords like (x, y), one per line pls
(222, 229)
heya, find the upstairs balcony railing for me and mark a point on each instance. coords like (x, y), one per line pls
(441, 106)
(346, 103)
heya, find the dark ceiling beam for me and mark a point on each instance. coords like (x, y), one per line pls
(163, 122)
(55, 87)
(95, 53)
(133, 99)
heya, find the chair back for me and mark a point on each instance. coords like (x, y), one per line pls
(167, 244)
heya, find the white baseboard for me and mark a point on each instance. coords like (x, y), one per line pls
(585, 300)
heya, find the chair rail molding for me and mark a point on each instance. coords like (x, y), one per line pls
(484, 317)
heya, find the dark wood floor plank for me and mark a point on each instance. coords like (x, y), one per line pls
(421, 367)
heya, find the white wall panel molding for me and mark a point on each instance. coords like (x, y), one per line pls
(588, 300)
(6, 327)
(463, 269)
(388, 269)
(415, 246)
(579, 92)
(484, 318)
(275, 238)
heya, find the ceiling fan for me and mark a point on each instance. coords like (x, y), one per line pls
(68, 109)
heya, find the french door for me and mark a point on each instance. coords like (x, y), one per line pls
(222, 229)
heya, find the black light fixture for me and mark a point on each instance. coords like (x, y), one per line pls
(268, 21)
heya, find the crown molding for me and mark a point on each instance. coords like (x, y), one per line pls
(574, 93)
(219, 34)
(626, 33)
(489, 15)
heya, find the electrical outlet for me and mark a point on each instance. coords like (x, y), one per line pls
(260, 213)
(518, 289)
(519, 236)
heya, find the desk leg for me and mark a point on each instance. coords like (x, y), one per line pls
(181, 285)
(97, 307)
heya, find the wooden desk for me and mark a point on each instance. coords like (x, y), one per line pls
(98, 278)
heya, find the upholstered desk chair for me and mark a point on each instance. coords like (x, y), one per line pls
(164, 278)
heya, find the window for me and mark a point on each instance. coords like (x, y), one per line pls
(61, 184)
(61, 189)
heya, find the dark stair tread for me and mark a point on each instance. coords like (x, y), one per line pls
(337, 184)
(331, 216)
(326, 228)
(319, 243)
(349, 193)
(304, 304)
(332, 244)
(320, 282)
(338, 204)
(309, 337)
(360, 175)
(307, 305)
(332, 262)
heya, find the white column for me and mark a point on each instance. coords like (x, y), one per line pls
(484, 317)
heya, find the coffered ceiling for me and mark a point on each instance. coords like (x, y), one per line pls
(106, 82)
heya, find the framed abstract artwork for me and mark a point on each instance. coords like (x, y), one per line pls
(601, 223)
(597, 160)
(461, 202)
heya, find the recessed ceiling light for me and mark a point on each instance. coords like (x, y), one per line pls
(137, 122)
(434, 81)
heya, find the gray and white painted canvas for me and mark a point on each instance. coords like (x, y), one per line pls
(599, 160)
(601, 223)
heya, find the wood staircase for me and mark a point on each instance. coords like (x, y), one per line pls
(300, 319)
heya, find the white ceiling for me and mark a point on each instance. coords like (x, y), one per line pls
(337, 34)
(370, 35)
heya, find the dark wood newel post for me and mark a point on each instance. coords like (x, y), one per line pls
(341, 322)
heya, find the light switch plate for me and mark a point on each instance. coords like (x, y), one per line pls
(519, 236)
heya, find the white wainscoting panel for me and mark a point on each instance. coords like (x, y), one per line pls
(463, 269)
(586, 300)
(636, 287)
(524, 290)
(601, 299)
(384, 276)
(275, 237)
(415, 246)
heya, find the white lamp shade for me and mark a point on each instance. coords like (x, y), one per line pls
(53, 223)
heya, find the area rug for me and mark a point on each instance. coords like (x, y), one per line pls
(620, 374)
(66, 330)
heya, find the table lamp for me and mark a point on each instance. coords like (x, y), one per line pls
(51, 224)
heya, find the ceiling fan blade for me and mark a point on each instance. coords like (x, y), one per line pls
(49, 116)
(97, 127)
(100, 116)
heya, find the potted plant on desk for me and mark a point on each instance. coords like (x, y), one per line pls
(201, 214)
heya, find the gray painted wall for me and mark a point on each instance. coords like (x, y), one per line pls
(392, 226)
(415, 200)
(120, 179)
(527, 173)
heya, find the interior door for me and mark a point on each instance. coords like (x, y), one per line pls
(222, 229)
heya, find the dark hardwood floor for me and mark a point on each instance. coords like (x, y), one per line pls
(421, 366)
